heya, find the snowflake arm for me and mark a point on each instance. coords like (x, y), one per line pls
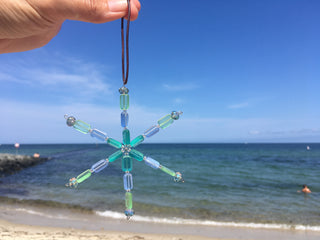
(95, 168)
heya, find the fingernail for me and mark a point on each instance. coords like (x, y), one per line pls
(118, 5)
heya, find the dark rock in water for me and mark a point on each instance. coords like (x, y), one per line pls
(10, 163)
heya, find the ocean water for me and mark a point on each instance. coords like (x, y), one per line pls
(251, 185)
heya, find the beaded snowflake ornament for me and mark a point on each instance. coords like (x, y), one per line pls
(126, 150)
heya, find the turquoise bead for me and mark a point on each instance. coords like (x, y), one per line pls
(135, 142)
(136, 155)
(114, 143)
(126, 164)
(126, 137)
(115, 156)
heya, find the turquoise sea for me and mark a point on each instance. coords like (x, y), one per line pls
(251, 185)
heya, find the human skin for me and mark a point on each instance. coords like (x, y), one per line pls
(30, 24)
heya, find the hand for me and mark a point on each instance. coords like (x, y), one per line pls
(29, 24)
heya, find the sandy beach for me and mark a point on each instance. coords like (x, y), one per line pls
(10, 231)
(23, 222)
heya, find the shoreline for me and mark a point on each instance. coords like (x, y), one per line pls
(70, 224)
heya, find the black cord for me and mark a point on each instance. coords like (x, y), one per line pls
(125, 57)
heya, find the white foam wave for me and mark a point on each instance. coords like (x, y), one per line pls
(137, 218)
(29, 211)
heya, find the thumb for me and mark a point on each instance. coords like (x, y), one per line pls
(96, 11)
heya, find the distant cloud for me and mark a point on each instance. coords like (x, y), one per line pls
(59, 73)
(178, 100)
(295, 131)
(291, 132)
(239, 105)
(180, 87)
(254, 132)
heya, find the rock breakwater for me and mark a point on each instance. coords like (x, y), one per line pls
(11, 163)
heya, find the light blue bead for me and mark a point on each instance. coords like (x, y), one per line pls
(99, 166)
(127, 181)
(124, 119)
(151, 131)
(151, 162)
(98, 134)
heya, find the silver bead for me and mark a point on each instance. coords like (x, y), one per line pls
(71, 121)
(175, 115)
(123, 90)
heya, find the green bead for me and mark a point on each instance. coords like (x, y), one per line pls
(136, 155)
(82, 126)
(126, 163)
(83, 176)
(128, 200)
(168, 171)
(126, 137)
(115, 156)
(124, 101)
(165, 122)
(135, 142)
(114, 143)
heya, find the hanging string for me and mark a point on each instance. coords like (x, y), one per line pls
(125, 50)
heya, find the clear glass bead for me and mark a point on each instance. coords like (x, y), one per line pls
(98, 134)
(127, 181)
(151, 131)
(99, 166)
(151, 162)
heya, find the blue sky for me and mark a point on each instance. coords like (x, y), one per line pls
(241, 71)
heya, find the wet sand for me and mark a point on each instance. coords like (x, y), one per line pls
(28, 222)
